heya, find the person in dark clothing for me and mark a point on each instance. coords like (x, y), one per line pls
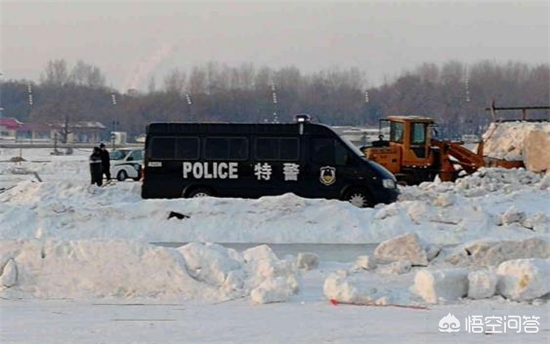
(96, 171)
(105, 161)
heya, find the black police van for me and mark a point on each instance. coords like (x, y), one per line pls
(262, 159)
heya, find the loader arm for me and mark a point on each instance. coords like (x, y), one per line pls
(468, 160)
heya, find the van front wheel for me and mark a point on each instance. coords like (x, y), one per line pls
(359, 198)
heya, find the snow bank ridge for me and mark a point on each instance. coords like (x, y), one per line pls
(122, 269)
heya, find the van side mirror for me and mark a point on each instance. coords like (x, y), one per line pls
(130, 158)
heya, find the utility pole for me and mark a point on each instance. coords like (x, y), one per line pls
(115, 121)
(189, 102)
(274, 98)
(31, 103)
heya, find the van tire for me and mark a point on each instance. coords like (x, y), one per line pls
(121, 176)
(199, 193)
(359, 198)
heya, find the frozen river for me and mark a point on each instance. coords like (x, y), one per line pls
(326, 252)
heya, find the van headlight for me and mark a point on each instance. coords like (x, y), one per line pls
(388, 183)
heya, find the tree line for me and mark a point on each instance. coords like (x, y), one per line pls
(454, 94)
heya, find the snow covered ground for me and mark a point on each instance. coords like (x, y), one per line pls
(78, 263)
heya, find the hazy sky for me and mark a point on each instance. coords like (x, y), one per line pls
(132, 41)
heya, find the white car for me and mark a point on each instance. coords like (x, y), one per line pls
(126, 163)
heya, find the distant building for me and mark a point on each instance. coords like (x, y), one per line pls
(8, 128)
(83, 131)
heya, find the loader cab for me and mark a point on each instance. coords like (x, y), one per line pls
(412, 135)
(407, 144)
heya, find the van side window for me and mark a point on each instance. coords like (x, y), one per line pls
(163, 147)
(226, 148)
(289, 149)
(267, 148)
(187, 148)
(322, 151)
(283, 149)
(327, 151)
(238, 148)
(342, 156)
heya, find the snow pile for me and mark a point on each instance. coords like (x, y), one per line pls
(441, 281)
(484, 182)
(123, 269)
(513, 141)
(488, 198)
(439, 213)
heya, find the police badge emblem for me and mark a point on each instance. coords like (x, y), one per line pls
(328, 175)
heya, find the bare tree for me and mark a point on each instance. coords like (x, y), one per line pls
(197, 81)
(175, 82)
(56, 73)
(87, 75)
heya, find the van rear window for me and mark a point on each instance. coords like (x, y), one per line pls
(163, 147)
(187, 148)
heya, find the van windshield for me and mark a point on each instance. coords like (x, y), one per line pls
(353, 147)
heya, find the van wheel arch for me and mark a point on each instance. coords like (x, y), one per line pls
(198, 191)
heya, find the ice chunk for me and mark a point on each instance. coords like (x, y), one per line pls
(492, 253)
(271, 290)
(258, 253)
(9, 274)
(441, 285)
(536, 155)
(404, 247)
(395, 268)
(307, 261)
(482, 284)
(365, 262)
(524, 279)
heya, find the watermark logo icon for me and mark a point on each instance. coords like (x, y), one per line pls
(449, 323)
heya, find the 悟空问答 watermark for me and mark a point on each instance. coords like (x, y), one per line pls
(490, 324)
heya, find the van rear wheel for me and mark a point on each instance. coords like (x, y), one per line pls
(359, 198)
(200, 192)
